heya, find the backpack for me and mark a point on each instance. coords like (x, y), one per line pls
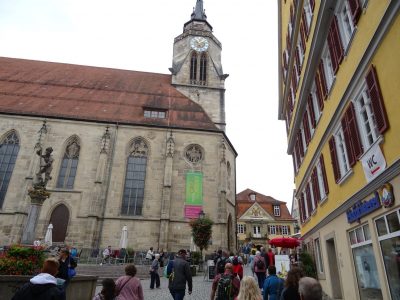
(224, 288)
(260, 264)
(235, 261)
(221, 265)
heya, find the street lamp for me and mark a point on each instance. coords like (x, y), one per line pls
(202, 214)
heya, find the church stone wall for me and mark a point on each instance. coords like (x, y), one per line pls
(85, 213)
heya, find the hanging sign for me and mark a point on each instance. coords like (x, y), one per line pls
(373, 162)
(387, 196)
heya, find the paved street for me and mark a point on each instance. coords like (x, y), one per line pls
(201, 289)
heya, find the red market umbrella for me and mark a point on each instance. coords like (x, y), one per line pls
(284, 242)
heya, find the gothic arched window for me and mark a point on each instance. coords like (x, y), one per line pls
(69, 164)
(193, 67)
(203, 69)
(9, 148)
(132, 202)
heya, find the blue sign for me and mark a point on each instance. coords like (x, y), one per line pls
(363, 208)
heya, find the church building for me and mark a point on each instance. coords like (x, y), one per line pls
(143, 150)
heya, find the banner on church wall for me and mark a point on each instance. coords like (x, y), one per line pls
(192, 211)
(194, 188)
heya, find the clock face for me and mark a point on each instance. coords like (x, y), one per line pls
(199, 44)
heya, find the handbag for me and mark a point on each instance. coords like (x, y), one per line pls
(71, 272)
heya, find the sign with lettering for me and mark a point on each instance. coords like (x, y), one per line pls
(373, 162)
(192, 211)
(363, 208)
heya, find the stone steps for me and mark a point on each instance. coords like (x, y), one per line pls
(111, 271)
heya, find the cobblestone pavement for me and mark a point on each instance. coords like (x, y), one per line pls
(201, 288)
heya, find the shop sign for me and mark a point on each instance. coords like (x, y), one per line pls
(373, 162)
(387, 196)
(363, 208)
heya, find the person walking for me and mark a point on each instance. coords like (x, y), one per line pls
(273, 285)
(310, 289)
(106, 255)
(249, 289)
(64, 264)
(251, 261)
(43, 286)
(128, 287)
(290, 292)
(154, 276)
(221, 262)
(271, 257)
(260, 268)
(179, 275)
(225, 286)
(150, 254)
(108, 290)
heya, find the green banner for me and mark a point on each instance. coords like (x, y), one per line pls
(194, 188)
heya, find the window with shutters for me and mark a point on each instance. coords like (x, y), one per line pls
(69, 164)
(277, 210)
(310, 115)
(342, 158)
(345, 24)
(312, 197)
(308, 14)
(320, 265)
(132, 202)
(256, 231)
(366, 119)
(272, 229)
(328, 68)
(314, 104)
(303, 138)
(9, 149)
(306, 206)
(320, 181)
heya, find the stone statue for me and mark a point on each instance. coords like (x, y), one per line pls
(46, 166)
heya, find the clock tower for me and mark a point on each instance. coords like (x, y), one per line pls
(196, 66)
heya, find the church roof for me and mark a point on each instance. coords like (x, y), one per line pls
(198, 12)
(243, 203)
(57, 90)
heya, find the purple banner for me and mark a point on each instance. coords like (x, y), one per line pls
(192, 211)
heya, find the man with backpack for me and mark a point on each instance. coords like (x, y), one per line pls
(237, 267)
(225, 286)
(221, 262)
(260, 268)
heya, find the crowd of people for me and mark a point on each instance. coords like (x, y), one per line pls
(229, 282)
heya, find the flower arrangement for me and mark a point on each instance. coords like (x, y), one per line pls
(21, 260)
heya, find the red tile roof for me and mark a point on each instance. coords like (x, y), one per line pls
(243, 203)
(57, 90)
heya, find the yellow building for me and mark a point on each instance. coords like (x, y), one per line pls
(338, 93)
(260, 218)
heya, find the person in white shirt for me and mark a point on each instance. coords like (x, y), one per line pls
(106, 255)
(150, 254)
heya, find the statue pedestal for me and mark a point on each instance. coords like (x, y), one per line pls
(38, 196)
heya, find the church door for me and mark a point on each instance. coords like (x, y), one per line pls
(59, 218)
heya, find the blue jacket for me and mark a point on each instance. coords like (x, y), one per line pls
(273, 286)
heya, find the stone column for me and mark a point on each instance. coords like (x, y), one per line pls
(38, 196)
(166, 194)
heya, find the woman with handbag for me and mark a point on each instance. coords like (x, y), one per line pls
(129, 287)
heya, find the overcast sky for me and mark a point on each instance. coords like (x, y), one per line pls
(138, 35)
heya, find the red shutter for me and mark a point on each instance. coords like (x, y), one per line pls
(297, 58)
(304, 25)
(319, 93)
(347, 140)
(312, 4)
(303, 37)
(322, 79)
(284, 60)
(323, 170)
(322, 163)
(335, 45)
(308, 196)
(334, 158)
(377, 100)
(306, 127)
(288, 41)
(301, 145)
(301, 208)
(311, 110)
(316, 192)
(294, 78)
(356, 144)
(355, 9)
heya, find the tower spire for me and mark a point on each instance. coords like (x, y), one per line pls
(198, 11)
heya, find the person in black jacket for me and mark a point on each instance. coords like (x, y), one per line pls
(43, 286)
(179, 276)
(65, 261)
(290, 291)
